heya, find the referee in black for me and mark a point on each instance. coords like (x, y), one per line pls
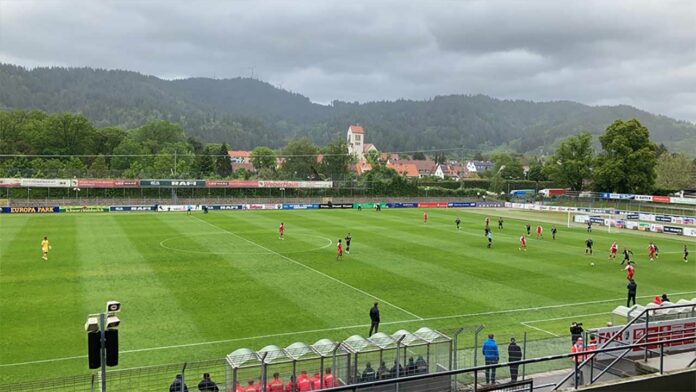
(374, 318)
(348, 238)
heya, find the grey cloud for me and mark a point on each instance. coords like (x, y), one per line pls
(596, 52)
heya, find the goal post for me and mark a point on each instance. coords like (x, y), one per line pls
(579, 218)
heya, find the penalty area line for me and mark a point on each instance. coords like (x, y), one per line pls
(313, 270)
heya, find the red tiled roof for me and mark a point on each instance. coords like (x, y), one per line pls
(408, 169)
(239, 154)
(356, 129)
(426, 166)
(362, 167)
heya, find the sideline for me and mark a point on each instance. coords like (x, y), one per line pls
(346, 327)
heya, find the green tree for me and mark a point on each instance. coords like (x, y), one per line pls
(675, 172)
(300, 160)
(372, 157)
(264, 161)
(107, 139)
(127, 152)
(156, 134)
(508, 166)
(419, 156)
(99, 168)
(223, 166)
(69, 134)
(337, 161)
(135, 170)
(571, 164)
(74, 167)
(627, 163)
(203, 164)
(536, 172)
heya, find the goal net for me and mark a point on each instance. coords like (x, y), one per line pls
(594, 221)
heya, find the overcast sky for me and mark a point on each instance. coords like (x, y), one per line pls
(641, 53)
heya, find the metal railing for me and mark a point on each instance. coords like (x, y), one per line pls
(644, 315)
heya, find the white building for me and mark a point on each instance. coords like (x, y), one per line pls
(356, 140)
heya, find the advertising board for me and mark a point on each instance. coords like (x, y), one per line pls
(29, 210)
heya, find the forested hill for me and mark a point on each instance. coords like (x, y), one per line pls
(246, 112)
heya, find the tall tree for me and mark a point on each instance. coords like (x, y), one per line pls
(203, 164)
(337, 162)
(419, 156)
(536, 172)
(300, 160)
(571, 164)
(264, 161)
(223, 166)
(675, 172)
(99, 168)
(508, 166)
(627, 163)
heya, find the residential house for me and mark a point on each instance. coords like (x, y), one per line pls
(362, 167)
(479, 166)
(426, 168)
(452, 170)
(405, 169)
(239, 156)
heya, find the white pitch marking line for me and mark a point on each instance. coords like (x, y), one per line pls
(314, 270)
(539, 329)
(333, 329)
(565, 318)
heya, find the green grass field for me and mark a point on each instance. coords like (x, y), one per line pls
(199, 287)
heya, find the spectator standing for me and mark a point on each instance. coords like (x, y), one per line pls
(374, 319)
(575, 331)
(208, 385)
(369, 374)
(514, 355)
(632, 288)
(578, 347)
(491, 355)
(178, 384)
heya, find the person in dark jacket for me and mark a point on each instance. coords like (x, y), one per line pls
(397, 370)
(178, 384)
(514, 355)
(410, 367)
(207, 385)
(382, 372)
(421, 365)
(368, 374)
(575, 331)
(632, 287)
(665, 298)
(491, 355)
(374, 318)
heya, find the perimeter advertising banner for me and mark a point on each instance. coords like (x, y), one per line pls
(657, 331)
(172, 183)
(85, 209)
(226, 207)
(231, 184)
(105, 183)
(131, 208)
(337, 205)
(460, 205)
(300, 206)
(432, 205)
(296, 184)
(45, 183)
(10, 182)
(29, 210)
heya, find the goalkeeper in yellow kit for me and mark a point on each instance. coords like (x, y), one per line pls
(45, 246)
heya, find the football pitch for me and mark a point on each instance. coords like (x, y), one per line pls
(199, 287)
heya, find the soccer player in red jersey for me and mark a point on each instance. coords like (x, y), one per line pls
(339, 251)
(539, 231)
(304, 383)
(612, 251)
(630, 271)
(276, 385)
(523, 243)
(291, 386)
(651, 251)
(316, 382)
(329, 379)
(425, 217)
(281, 230)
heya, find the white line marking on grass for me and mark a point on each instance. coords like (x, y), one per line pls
(341, 328)
(539, 329)
(314, 270)
(210, 252)
(565, 318)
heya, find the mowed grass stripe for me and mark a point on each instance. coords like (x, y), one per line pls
(37, 303)
(322, 274)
